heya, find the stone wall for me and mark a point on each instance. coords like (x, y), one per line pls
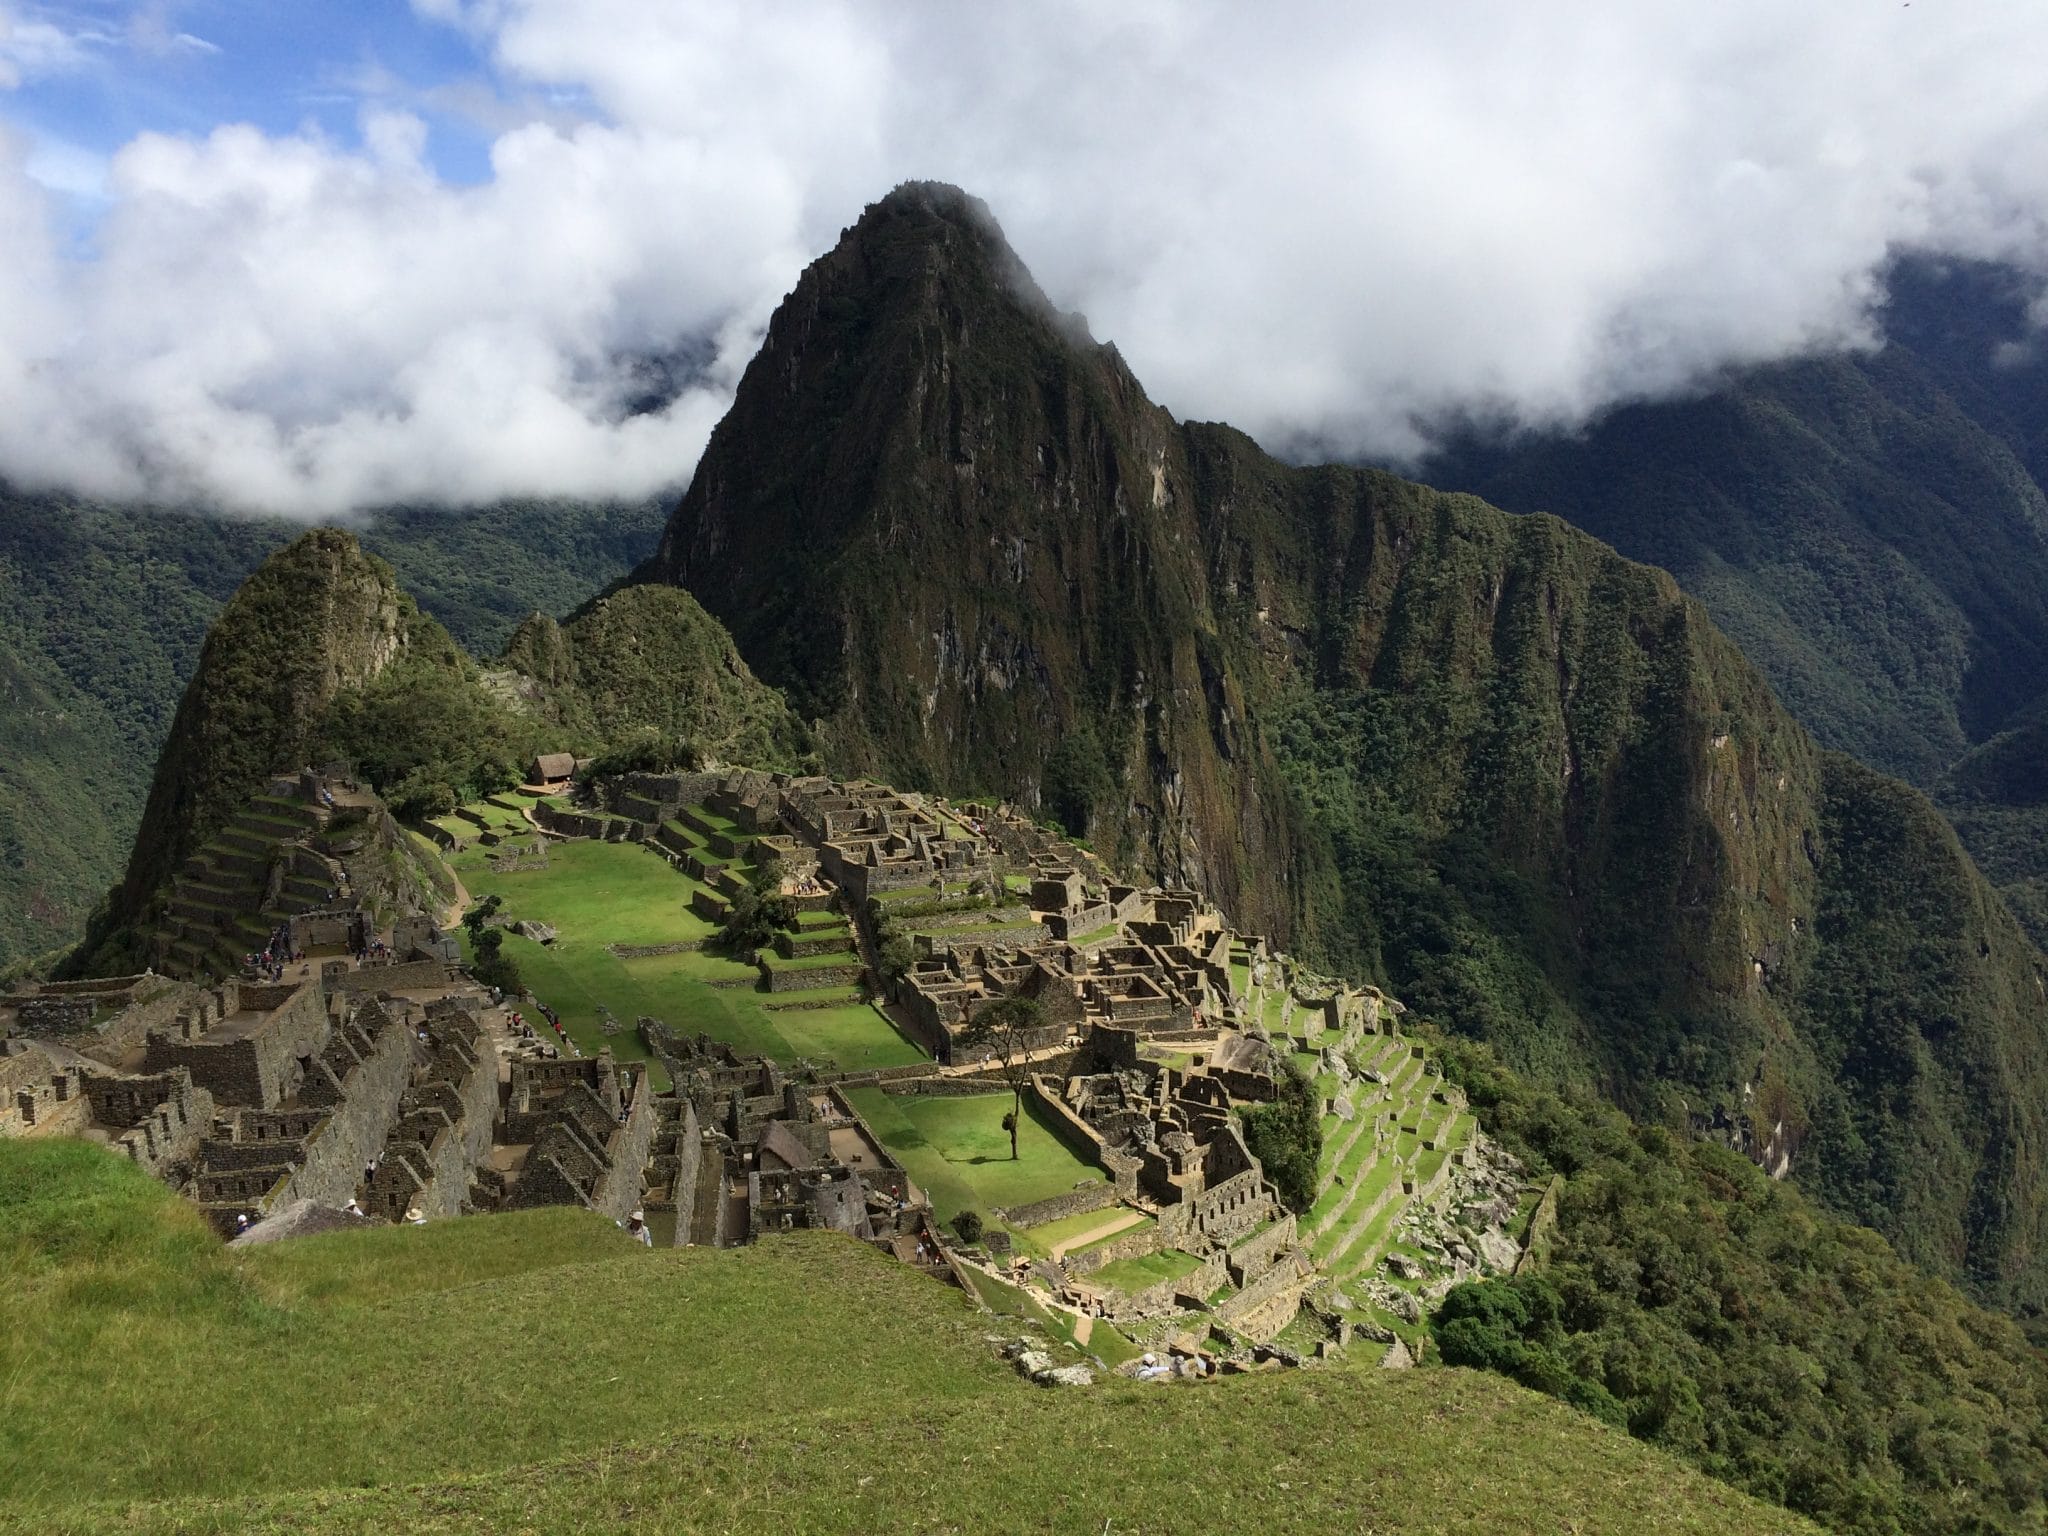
(412, 975)
(1094, 1197)
(260, 1068)
(619, 1188)
(1542, 1224)
(804, 978)
(1137, 1243)
(169, 1136)
(54, 1015)
(1255, 1255)
(336, 1152)
(689, 1169)
(1076, 1134)
(1161, 1299)
(1266, 1306)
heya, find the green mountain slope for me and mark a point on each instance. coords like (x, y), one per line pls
(317, 618)
(1871, 529)
(537, 1372)
(64, 804)
(1480, 758)
(320, 658)
(650, 660)
(105, 608)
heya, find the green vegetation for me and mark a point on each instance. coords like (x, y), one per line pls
(426, 733)
(757, 911)
(1287, 1136)
(958, 1151)
(474, 1376)
(1718, 1314)
(1003, 1030)
(1130, 1275)
(102, 613)
(1478, 759)
(597, 895)
(1868, 527)
(647, 664)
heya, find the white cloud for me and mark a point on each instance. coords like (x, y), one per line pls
(1323, 222)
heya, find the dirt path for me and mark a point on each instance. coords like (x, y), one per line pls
(451, 915)
(1124, 1219)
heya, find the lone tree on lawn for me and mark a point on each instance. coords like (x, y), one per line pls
(1006, 1026)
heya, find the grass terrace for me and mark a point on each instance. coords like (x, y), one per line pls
(959, 1154)
(600, 894)
(1133, 1275)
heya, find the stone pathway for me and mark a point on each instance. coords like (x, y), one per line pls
(1123, 1221)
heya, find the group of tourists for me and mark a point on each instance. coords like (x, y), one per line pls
(277, 954)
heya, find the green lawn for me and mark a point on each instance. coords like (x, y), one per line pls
(1048, 1234)
(539, 1373)
(616, 893)
(597, 894)
(959, 1154)
(1131, 1275)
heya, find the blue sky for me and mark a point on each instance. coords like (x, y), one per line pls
(99, 72)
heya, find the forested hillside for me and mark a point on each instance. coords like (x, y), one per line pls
(102, 611)
(1870, 528)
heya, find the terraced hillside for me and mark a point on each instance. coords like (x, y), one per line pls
(473, 1376)
(223, 904)
(633, 924)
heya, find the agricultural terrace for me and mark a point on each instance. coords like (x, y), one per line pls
(959, 1154)
(597, 895)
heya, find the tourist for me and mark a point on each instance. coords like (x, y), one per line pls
(352, 1208)
(241, 1222)
(636, 1228)
(415, 1216)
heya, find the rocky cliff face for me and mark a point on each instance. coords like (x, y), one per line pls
(1481, 758)
(956, 533)
(317, 617)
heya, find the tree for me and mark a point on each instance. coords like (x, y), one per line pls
(1007, 1028)
(1286, 1136)
(489, 964)
(897, 954)
(756, 912)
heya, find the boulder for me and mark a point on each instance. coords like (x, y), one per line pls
(1066, 1376)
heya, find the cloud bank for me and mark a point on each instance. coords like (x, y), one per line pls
(1327, 223)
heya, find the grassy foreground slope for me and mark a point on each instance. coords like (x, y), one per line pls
(539, 1373)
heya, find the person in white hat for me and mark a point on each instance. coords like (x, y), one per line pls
(416, 1216)
(636, 1228)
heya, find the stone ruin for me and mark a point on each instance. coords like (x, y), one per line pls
(775, 1151)
(577, 1131)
